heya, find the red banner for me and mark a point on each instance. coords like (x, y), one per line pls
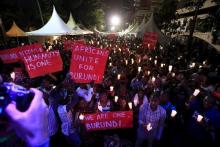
(150, 40)
(108, 120)
(30, 50)
(111, 36)
(88, 63)
(10, 55)
(69, 44)
(16, 54)
(43, 63)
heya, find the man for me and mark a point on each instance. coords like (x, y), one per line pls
(151, 122)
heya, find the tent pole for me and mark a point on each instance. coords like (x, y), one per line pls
(38, 5)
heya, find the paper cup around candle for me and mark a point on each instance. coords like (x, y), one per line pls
(139, 69)
(196, 92)
(153, 79)
(173, 113)
(161, 65)
(155, 62)
(119, 76)
(170, 68)
(199, 118)
(149, 127)
(135, 102)
(81, 117)
(111, 88)
(126, 62)
(130, 105)
(100, 108)
(116, 99)
(148, 72)
(12, 75)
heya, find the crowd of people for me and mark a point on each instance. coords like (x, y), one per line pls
(174, 95)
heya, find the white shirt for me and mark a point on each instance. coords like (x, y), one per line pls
(84, 93)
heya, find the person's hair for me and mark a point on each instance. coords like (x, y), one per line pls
(155, 96)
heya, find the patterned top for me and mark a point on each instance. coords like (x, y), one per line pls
(155, 118)
(66, 119)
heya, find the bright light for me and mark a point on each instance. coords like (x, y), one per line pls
(112, 28)
(115, 20)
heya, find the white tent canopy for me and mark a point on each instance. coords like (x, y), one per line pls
(76, 29)
(55, 26)
(151, 26)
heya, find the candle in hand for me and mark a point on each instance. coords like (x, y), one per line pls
(119, 76)
(170, 68)
(130, 105)
(139, 69)
(111, 88)
(149, 127)
(81, 117)
(196, 92)
(116, 99)
(173, 113)
(199, 118)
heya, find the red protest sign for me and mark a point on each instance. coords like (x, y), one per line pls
(43, 63)
(108, 120)
(150, 40)
(30, 50)
(9, 55)
(88, 63)
(16, 54)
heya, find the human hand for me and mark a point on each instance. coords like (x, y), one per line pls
(32, 125)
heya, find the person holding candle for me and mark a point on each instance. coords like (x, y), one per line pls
(151, 122)
(103, 104)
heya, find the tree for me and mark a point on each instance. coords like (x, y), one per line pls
(167, 11)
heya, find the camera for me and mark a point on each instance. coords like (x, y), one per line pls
(11, 92)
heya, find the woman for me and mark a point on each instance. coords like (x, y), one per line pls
(103, 104)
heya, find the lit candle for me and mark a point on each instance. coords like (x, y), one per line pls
(98, 42)
(170, 68)
(155, 62)
(12, 75)
(139, 60)
(200, 66)
(119, 76)
(139, 69)
(126, 62)
(161, 65)
(110, 58)
(149, 127)
(130, 105)
(193, 64)
(148, 73)
(135, 102)
(111, 88)
(196, 92)
(173, 113)
(110, 64)
(116, 99)
(150, 58)
(204, 62)
(119, 49)
(100, 108)
(81, 117)
(153, 79)
(148, 45)
(54, 87)
(132, 61)
(173, 74)
(199, 118)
